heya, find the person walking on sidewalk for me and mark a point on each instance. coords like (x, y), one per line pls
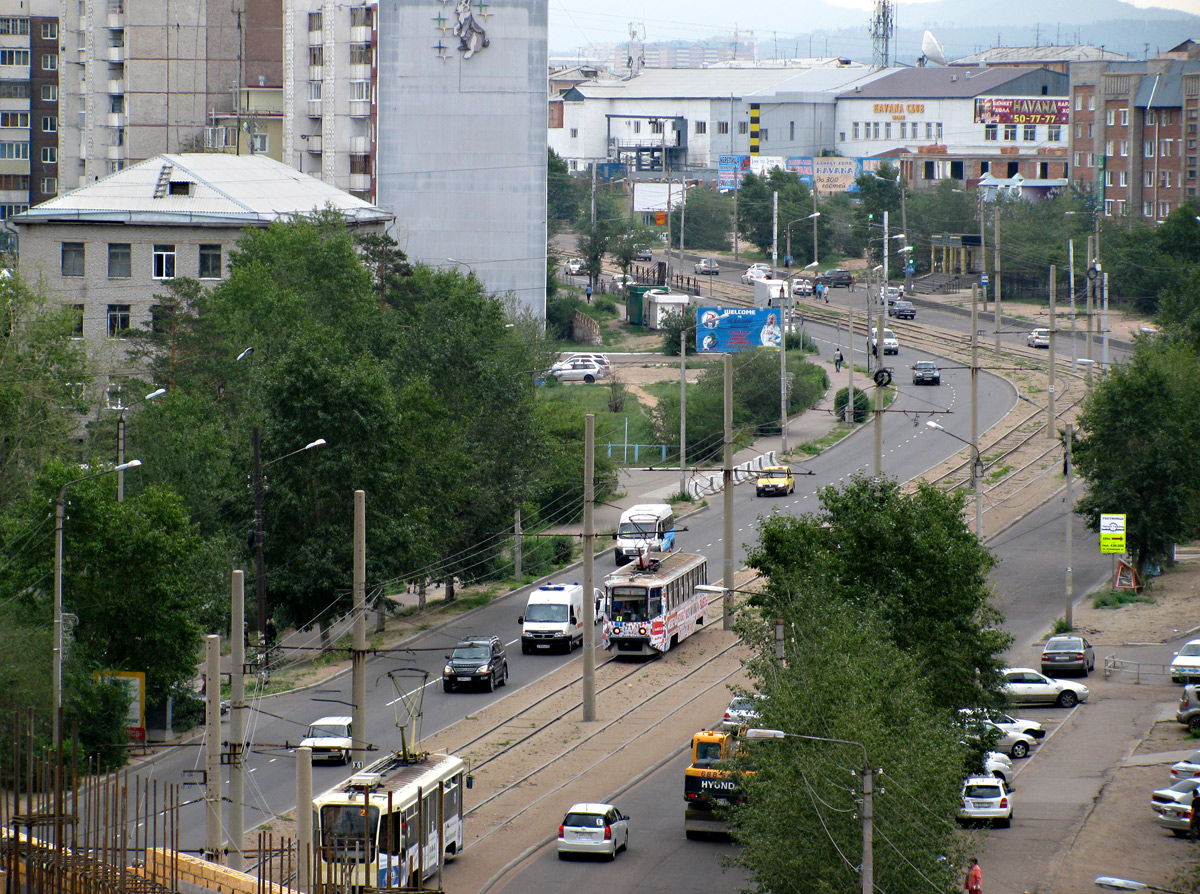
(974, 882)
(837, 359)
(588, 292)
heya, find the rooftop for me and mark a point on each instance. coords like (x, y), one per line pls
(1032, 55)
(950, 83)
(723, 83)
(198, 189)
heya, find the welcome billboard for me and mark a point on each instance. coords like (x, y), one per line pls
(728, 330)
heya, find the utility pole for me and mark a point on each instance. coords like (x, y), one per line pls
(727, 480)
(868, 831)
(1091, 289)
(1053, 334)
(879, 353)
(1071, 286)
(212, 748)
(591, 277)
(517, 570)
(996, 306)
(983, 248)
(976, 471)
(304, 828)
(1104, 320)
(358, 671)
(850, 358)
(237, 723)
(683, 409)
(814, 195)
(667, 175)
(589, 572)
(682, 214)
(1068, 435)
(908, 255)
(260, 583)
(886, 245)
(783, 389)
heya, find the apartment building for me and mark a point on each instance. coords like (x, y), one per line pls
(1134, 132)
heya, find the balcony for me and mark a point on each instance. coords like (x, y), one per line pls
(316, 72)
(314, 38)
(116, 19)
(360, 72)
(116, 152)
(116, 54)
(360, 182)
(115, 119)
(116, 86)
(360, 145)
(360, 34)
(314, 108)
(360, 108)
(313, 143)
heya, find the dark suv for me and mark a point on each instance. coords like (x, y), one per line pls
(835, 278)
(476, 660)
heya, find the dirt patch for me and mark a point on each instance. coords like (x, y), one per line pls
(1174, 610)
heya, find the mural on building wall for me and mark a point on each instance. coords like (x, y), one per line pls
(471, 36)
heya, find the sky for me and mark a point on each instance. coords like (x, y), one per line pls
(576, 23)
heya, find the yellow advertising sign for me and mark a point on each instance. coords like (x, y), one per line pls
(1112, 533)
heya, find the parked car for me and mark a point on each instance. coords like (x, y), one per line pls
(576, 267)
(1173, 806)
(329, 738)
(1000, 766)
(926, 372)
(1025, 686)
(891, 344)
(893, 294)
(1188, 712)
(775, 480)
(1038, 338)
(477, 660)
(743, 710)
(1005, 721)
(902, 310)
(836, 277)
(1188, 768)
(599, 359)
(802, 285)
(986, 799)
(1007, 741)
(643, 254)
(578, 371)
(621, 281)
(707, 267)
(1068, 653)
(593, 829)
(1185, 665)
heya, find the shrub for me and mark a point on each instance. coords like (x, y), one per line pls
(862, 404)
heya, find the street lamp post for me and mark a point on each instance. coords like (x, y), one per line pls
(60, 512)
(813, 217)
(121, 407)
(976, 474)
(868, 787)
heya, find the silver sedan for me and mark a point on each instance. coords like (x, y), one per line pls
(1025, 686)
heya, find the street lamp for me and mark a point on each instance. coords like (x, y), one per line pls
(121, 407)
(813, 217)
(1124, 884)
(868, 786)
(60, 512)
(976, 474)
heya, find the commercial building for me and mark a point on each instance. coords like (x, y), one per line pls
(108, 248)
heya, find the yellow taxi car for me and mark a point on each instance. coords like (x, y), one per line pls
(775, 480)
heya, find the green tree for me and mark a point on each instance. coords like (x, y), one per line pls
(1136, 448)
(844, 678)
(678, 328)
(756, 207)
(625, 237)
(906, 558)
(707, 222)
(564, 194)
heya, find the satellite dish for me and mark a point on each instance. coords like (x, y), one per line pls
(931, 50)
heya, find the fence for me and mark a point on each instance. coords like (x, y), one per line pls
(1115, 665)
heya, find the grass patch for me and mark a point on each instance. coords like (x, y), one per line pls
(1060, 626)
(812, 448)
(466, 603)
(997, 474)
(1114, 599)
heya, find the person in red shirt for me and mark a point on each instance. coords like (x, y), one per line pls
(974, 882)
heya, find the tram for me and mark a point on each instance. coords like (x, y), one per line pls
(652, 604)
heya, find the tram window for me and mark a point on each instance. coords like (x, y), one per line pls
(410, 826)
(655, 607)
(452, 796)
(395, 833)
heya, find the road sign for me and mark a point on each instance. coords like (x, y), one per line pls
(1112, 533)
(983, 280)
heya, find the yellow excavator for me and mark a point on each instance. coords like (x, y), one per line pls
(709, 786)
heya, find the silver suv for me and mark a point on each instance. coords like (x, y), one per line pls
(1188, 712)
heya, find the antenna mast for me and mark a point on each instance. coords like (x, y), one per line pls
(882, 30)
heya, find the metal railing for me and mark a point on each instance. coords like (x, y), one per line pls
(1113, 664)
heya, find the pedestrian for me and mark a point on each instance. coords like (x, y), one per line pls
(837, 359)
(1194, 822)
(588, 293)
(974, 882)
(825, 293)
(269, 633)
(853, 283)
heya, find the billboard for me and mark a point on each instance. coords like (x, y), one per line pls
(730, 170)
(727, 330)
(828, 174)
(135, 681)
(1026, 110)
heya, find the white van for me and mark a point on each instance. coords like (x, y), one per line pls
(647, 526)
(553, 618)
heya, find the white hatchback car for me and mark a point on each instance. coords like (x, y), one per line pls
(1038, 338)
(1008, 741)
(578, 371)
(986, 799)
(593, 829)
(1185, 666)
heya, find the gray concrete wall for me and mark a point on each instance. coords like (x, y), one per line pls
(462, 141)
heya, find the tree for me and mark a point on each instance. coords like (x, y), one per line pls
(625, 237)
(1137, 448)
(678, 329)
(844, 678)
(906, 558)
(564, 194)
(756, 205)
(706, 224)
(41, 392)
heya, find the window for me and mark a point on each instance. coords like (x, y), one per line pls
(743, 128)
(14, 150)
(723, 128)
(1109, 147)
(1148, 148)
(656, 127)
(1124, 148)
(314, 90)
(1091, 161)
(14, 25)
(956, 170)
(316, 55)
(984, 167)
(50, 62)
(1044, 170)
(360, 164)
(1091, 102)
(78, 311)
(1108, 207)
(887, 130)
(1147, 209)
(1090, 131)
(72, 259)
(903, 130)
(1054, 133)
(314, 21)
(1166, 179)
(49, 92)
(1148, 179)
(360, 54)
(258, 142)
(1079, 159)
(360, 17)
(1151, 118)
(210, 261)
(7, 210)
(14, 57)
(116, 104)
(1078, 102)
(1111, 117)
(701, 127)
(1164, 148)
(164, 262)
(791, 130)
(49, 124)
(939, 131)
(1079, 131)
(14, 119)
(50, 31)
(875, 130)
(1164, 209)
(50, 155)
(1029, 133)
(574, 133)
(1168, 116)
(854, 130)
(1123, 180)
(119, 263)
(14, 181)
(930, 172)
(1010, 133)
(14, 90)
(929, 130)
(360, 91)
(842, 136)
(762, 134)
(1108, 178)
(118, 319)
(1124, 117)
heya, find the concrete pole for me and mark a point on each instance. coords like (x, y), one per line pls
(814, 220)
(260, 582)
(682, 214)
(1104, 324)
(1071, 286)
(727, 481)
(212, 748)
(589, 568)
(879, 356)
(868, 830)
(886, 247)
(358, 670)
(683, 409)
(121, 455)
(237, 722)
(1091, 288)
(850, 358)
(304, 827)
(517, 570)
(1068, 435)
(996, 275)
(60, 511)
(1050, 415)
(975, 471)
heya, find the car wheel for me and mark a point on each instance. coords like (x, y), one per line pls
(447, 686)
(1006, 822)
(1020, 750)
(504, 675)
(1068, 699)
(589, 378)
(1194, 724)
(1179, 833)
(345, 757)
(525, 650)
(490, 683)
